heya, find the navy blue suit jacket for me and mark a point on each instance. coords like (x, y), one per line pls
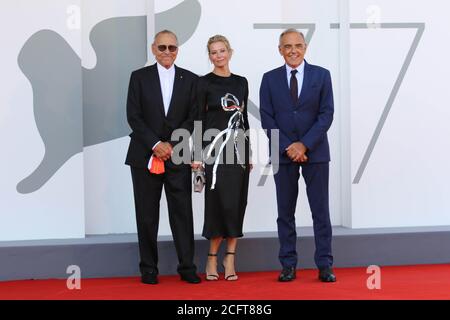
(308, 121)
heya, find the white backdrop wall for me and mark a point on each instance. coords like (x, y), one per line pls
(27, 211)
(404, 181)
(108, 187)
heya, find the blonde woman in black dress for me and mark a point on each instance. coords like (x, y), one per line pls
(222, 102)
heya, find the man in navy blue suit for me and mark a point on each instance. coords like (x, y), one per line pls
(297, 100)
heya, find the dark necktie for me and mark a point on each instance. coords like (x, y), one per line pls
(294, 87)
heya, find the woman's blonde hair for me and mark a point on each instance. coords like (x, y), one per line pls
(219, 38)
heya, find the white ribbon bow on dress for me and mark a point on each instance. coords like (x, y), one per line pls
(233, 124)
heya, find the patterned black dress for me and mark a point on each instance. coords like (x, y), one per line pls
(222, 103)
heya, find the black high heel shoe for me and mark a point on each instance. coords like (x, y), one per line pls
(230, 277)
(211, 277)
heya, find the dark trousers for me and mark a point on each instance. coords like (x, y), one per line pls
(316, 176)
(147, 195)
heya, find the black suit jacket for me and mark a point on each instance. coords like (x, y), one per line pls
(145, 111)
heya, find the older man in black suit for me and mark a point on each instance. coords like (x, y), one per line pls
(161, 99)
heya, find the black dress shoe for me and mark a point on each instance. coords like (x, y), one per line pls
(287, 274)
(190, 278)
(327, 275)
(149, 278)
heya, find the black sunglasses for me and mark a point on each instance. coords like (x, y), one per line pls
(163, 47)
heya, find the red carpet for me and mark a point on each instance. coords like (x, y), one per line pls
(400, 282)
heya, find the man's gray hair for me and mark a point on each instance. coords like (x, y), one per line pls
(291, 30)
(165, 31)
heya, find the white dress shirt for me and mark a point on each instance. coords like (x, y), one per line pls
(166, 79)
(299, 75)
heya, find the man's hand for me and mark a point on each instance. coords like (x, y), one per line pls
(163, 151)
(297, 152)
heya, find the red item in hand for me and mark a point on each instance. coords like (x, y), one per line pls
(156, 165)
